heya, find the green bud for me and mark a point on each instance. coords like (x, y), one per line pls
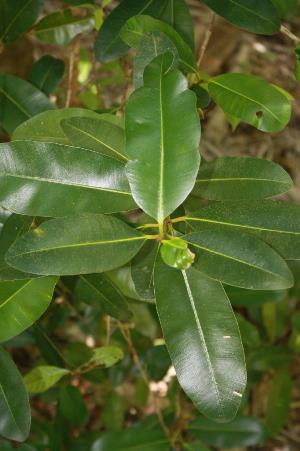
(175, 253)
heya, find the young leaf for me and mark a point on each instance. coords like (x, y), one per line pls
(62, 26)
(203, 340)
(277, 223)
(142, 269)
(239, 433)
(135, 28)
(22, 303)
(257, 16)
(96, 134)
(16, 17)
(14, 402)
(42, 378)
(236, 178)
(46, 73)
(96, 288)
(77, 180)
(252, 100)
(105, 356)
(239, 259)
(162, 138)
(19, 100)
(76, 245)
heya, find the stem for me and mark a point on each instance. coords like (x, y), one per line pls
(152, 237)
(179, 219)
(72, 74)
(207, 36)
(289, 34)
(147, 226)
(161, 229)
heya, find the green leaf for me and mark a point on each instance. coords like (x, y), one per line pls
(22, 303)
(16, 17)
(84, 244)
(237, 178)
(252, 100)
(239, 433)
(109, 45)
(106, 356)
(257, 16)
(297, 66)
(135, 28)
(46, 73)
(122, 279)
(142, 269)
(113, 411)
(19, 100)
(249, 298)
(239, 259)
(14, 402)
(286, 8)
(176, 254)
(47, 179)
(150, 46)
(43, 377)
(177, 14)
(96, 134)
(279, 398)
(162, 138)
(98, 289)
(249, 333)
(195, 312)
(72, 405)
(277, 223)
(46, 126)
(62, 26)
(14, 227)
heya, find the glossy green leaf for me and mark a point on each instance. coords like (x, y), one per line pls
(47, 179)
(162, 138)
(249, 298)
(239, 259)
(47, 126)
(252, 15)
(14, 227)
(43, 377)
(19, 100)
(252, 100)
(203, 99)
(277, 223)
(14, 402)
(97, 288)
(195, 314)
(279, 398)
(175, 253)
(286, 8)
(22, 303)
(249, 333)
(142, 269)
(106, 356)
(16, 17)
(237, 178)
(122, 278)
(177, 14)
(239, 433)
(46, 73)
(72, 405)
(150, 46)
(96, 134)
(62, 26)
(84, 244)
(135, 28)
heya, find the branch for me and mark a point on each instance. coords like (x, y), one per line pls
(289, 34)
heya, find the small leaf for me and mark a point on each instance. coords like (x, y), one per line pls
(239, 259)
(62, 26)
(46, 73)
(14, 402)
(72, 405)
(175, 253)
(252, 15)
(84, 244)
(105, 356)
(19, 100)
(237, 178)
(17, 16)
(248, 298)
(42, 378)
(252, 100)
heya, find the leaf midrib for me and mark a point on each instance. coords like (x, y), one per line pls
(12, 100)
(254, 13)
(234, 179)
(9, 408)
(14, 19)
(2, 304)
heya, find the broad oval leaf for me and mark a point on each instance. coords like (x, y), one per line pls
(236, 178)
(248, 298)
(43, 377)
(177, 14)
(76, 245)
(135, 28)
(252, 15)
(19, 101)
(46, 73)
(252, 100)
(241, 432)
(97, 288)
(22, 303)
(162, 138)
(14, 402)
(47, 179)
(16, 17)
(277, 223)
(96, 134)
(62, 26)
(239, 259)
(142, 269)
(203, 340)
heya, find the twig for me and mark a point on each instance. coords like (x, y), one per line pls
(289, 34)
(72, 73)
(207, 36)
(108, 330)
